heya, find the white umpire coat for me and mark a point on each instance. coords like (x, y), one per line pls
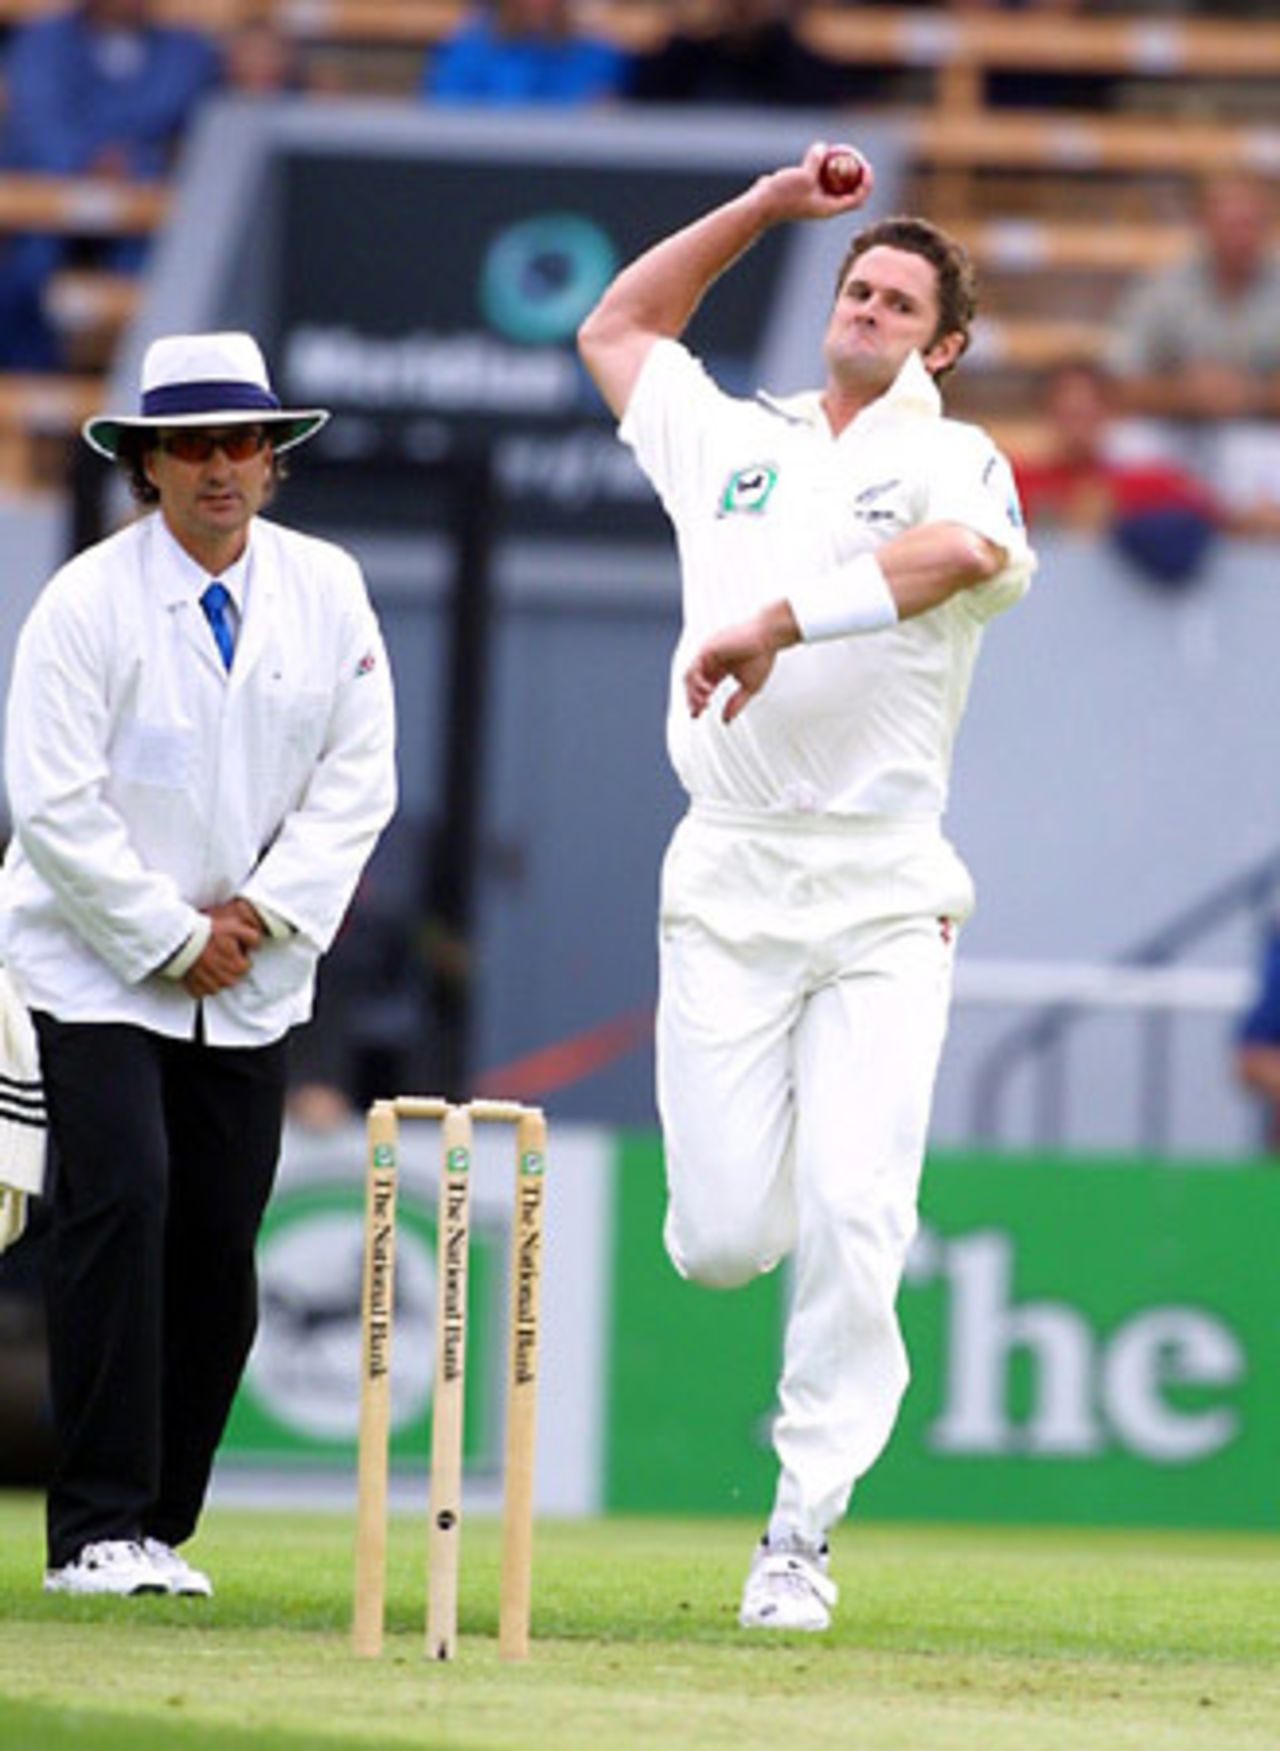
(146, 782)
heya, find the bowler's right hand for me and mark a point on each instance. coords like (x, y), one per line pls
(796, 191)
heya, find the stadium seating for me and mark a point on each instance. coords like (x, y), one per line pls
(1026, 189)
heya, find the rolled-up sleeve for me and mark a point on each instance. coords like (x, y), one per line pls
(972, 484)
(308, 874)
(57, 769)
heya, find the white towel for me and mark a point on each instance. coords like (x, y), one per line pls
(22, 1114)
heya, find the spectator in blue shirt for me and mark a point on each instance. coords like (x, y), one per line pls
(523, 51)
(99, 90)
(1258, 1043)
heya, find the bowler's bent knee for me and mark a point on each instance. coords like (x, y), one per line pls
(715, 1261)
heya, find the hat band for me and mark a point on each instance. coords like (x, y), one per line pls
(209, 397)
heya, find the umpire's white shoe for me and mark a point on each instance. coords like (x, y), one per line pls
(788, 1587)
(176, 1572)
(112, 1565)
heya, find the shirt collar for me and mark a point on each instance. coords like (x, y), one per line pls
(913, 392)
(184, 580)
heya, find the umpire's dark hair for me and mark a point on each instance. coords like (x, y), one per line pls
(134, 445)
(957, 282)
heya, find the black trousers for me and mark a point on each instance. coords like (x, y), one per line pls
(164, 1154)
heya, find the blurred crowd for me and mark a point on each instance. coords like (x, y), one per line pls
(1160, 444)
(1166, 440)
(1174, 434)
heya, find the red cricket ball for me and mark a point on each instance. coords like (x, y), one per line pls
(842, 170)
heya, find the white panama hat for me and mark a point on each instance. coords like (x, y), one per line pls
(206, 380)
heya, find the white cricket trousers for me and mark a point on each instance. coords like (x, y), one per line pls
(805, 981)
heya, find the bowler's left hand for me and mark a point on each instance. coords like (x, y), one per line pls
(744, 653)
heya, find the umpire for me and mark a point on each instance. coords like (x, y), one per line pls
(200, 758)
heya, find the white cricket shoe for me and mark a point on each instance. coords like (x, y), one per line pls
(176, 1572)
(788, 1587)
(112, 1565)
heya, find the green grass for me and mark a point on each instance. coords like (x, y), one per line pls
(948, 1639)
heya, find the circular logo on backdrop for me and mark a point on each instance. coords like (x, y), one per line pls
(541, 276)
(305, 1366)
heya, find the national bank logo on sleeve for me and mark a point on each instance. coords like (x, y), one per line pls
(998, 479)
(748, 489)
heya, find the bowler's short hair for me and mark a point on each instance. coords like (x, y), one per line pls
(957, 282)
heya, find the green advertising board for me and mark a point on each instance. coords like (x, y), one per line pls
(299, 1398)
(1092, 1341)
(689, 1389)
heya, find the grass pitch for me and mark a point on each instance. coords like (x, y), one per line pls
(948, 1639)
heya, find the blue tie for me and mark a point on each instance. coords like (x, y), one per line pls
(214, 602)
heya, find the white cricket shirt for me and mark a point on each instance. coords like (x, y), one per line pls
(146, 781)
(761, 494)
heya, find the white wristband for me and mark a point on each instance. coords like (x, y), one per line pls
(851, 598)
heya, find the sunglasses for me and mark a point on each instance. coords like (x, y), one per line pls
(191, 444)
